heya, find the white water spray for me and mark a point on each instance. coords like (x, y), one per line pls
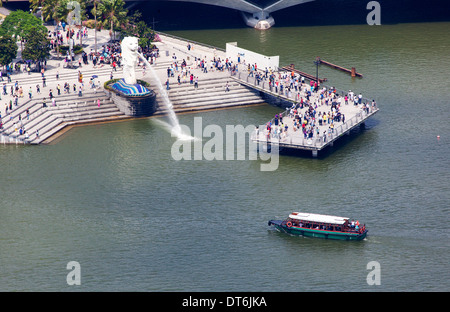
(175, 125)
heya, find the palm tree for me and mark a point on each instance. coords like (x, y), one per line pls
(113, 13)
(94, 12)
(77, 17)
(51, 10)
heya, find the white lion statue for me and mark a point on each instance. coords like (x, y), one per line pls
(130, 56)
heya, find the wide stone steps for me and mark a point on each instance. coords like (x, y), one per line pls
(221, 95)
(35, 78)
(188, 89)
(58, 124)
(185, 109)
(34, 107)
(212, 94)
(202, 84)
(70, 109)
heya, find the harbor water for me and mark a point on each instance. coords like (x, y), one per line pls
(112, 198)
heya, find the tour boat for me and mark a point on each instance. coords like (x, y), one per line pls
(322, 226)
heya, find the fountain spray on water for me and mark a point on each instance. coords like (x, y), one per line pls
(175, 125)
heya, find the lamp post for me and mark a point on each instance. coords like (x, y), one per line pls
(317, 62)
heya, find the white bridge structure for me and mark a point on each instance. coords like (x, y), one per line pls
(254, 15)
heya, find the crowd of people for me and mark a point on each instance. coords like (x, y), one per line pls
(13, 93)
(316, 111)
(185, 73)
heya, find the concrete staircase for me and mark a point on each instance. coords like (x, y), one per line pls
(69, 110)
(210, 94)
(64, 75)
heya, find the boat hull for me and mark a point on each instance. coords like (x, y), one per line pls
(317, 233)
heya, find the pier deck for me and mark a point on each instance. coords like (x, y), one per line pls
(352, 71)
(322, 134)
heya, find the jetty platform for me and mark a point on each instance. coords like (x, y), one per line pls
(286, 128)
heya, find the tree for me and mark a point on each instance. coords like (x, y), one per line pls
(145, 34)
(18, 24)
(76, 13)
(8, 50)
(37, 48)
(51, 10)
(137, 27)
(95, 13)
(113, 13)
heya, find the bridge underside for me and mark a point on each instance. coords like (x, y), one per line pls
(257, 16)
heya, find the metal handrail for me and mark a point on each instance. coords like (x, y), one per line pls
(316, 140)
(195, 42)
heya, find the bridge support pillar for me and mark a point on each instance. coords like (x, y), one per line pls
(259, 20)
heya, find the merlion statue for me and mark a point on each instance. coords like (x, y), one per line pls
(128, 85)
(130, 56)
(130, 95)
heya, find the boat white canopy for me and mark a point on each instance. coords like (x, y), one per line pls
(312, 217)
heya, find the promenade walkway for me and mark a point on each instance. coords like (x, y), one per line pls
(193, 81)
(26, 120)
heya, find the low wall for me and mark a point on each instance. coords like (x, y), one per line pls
(250, 57)
(136, 106)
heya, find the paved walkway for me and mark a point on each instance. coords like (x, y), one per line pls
(176, 50)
